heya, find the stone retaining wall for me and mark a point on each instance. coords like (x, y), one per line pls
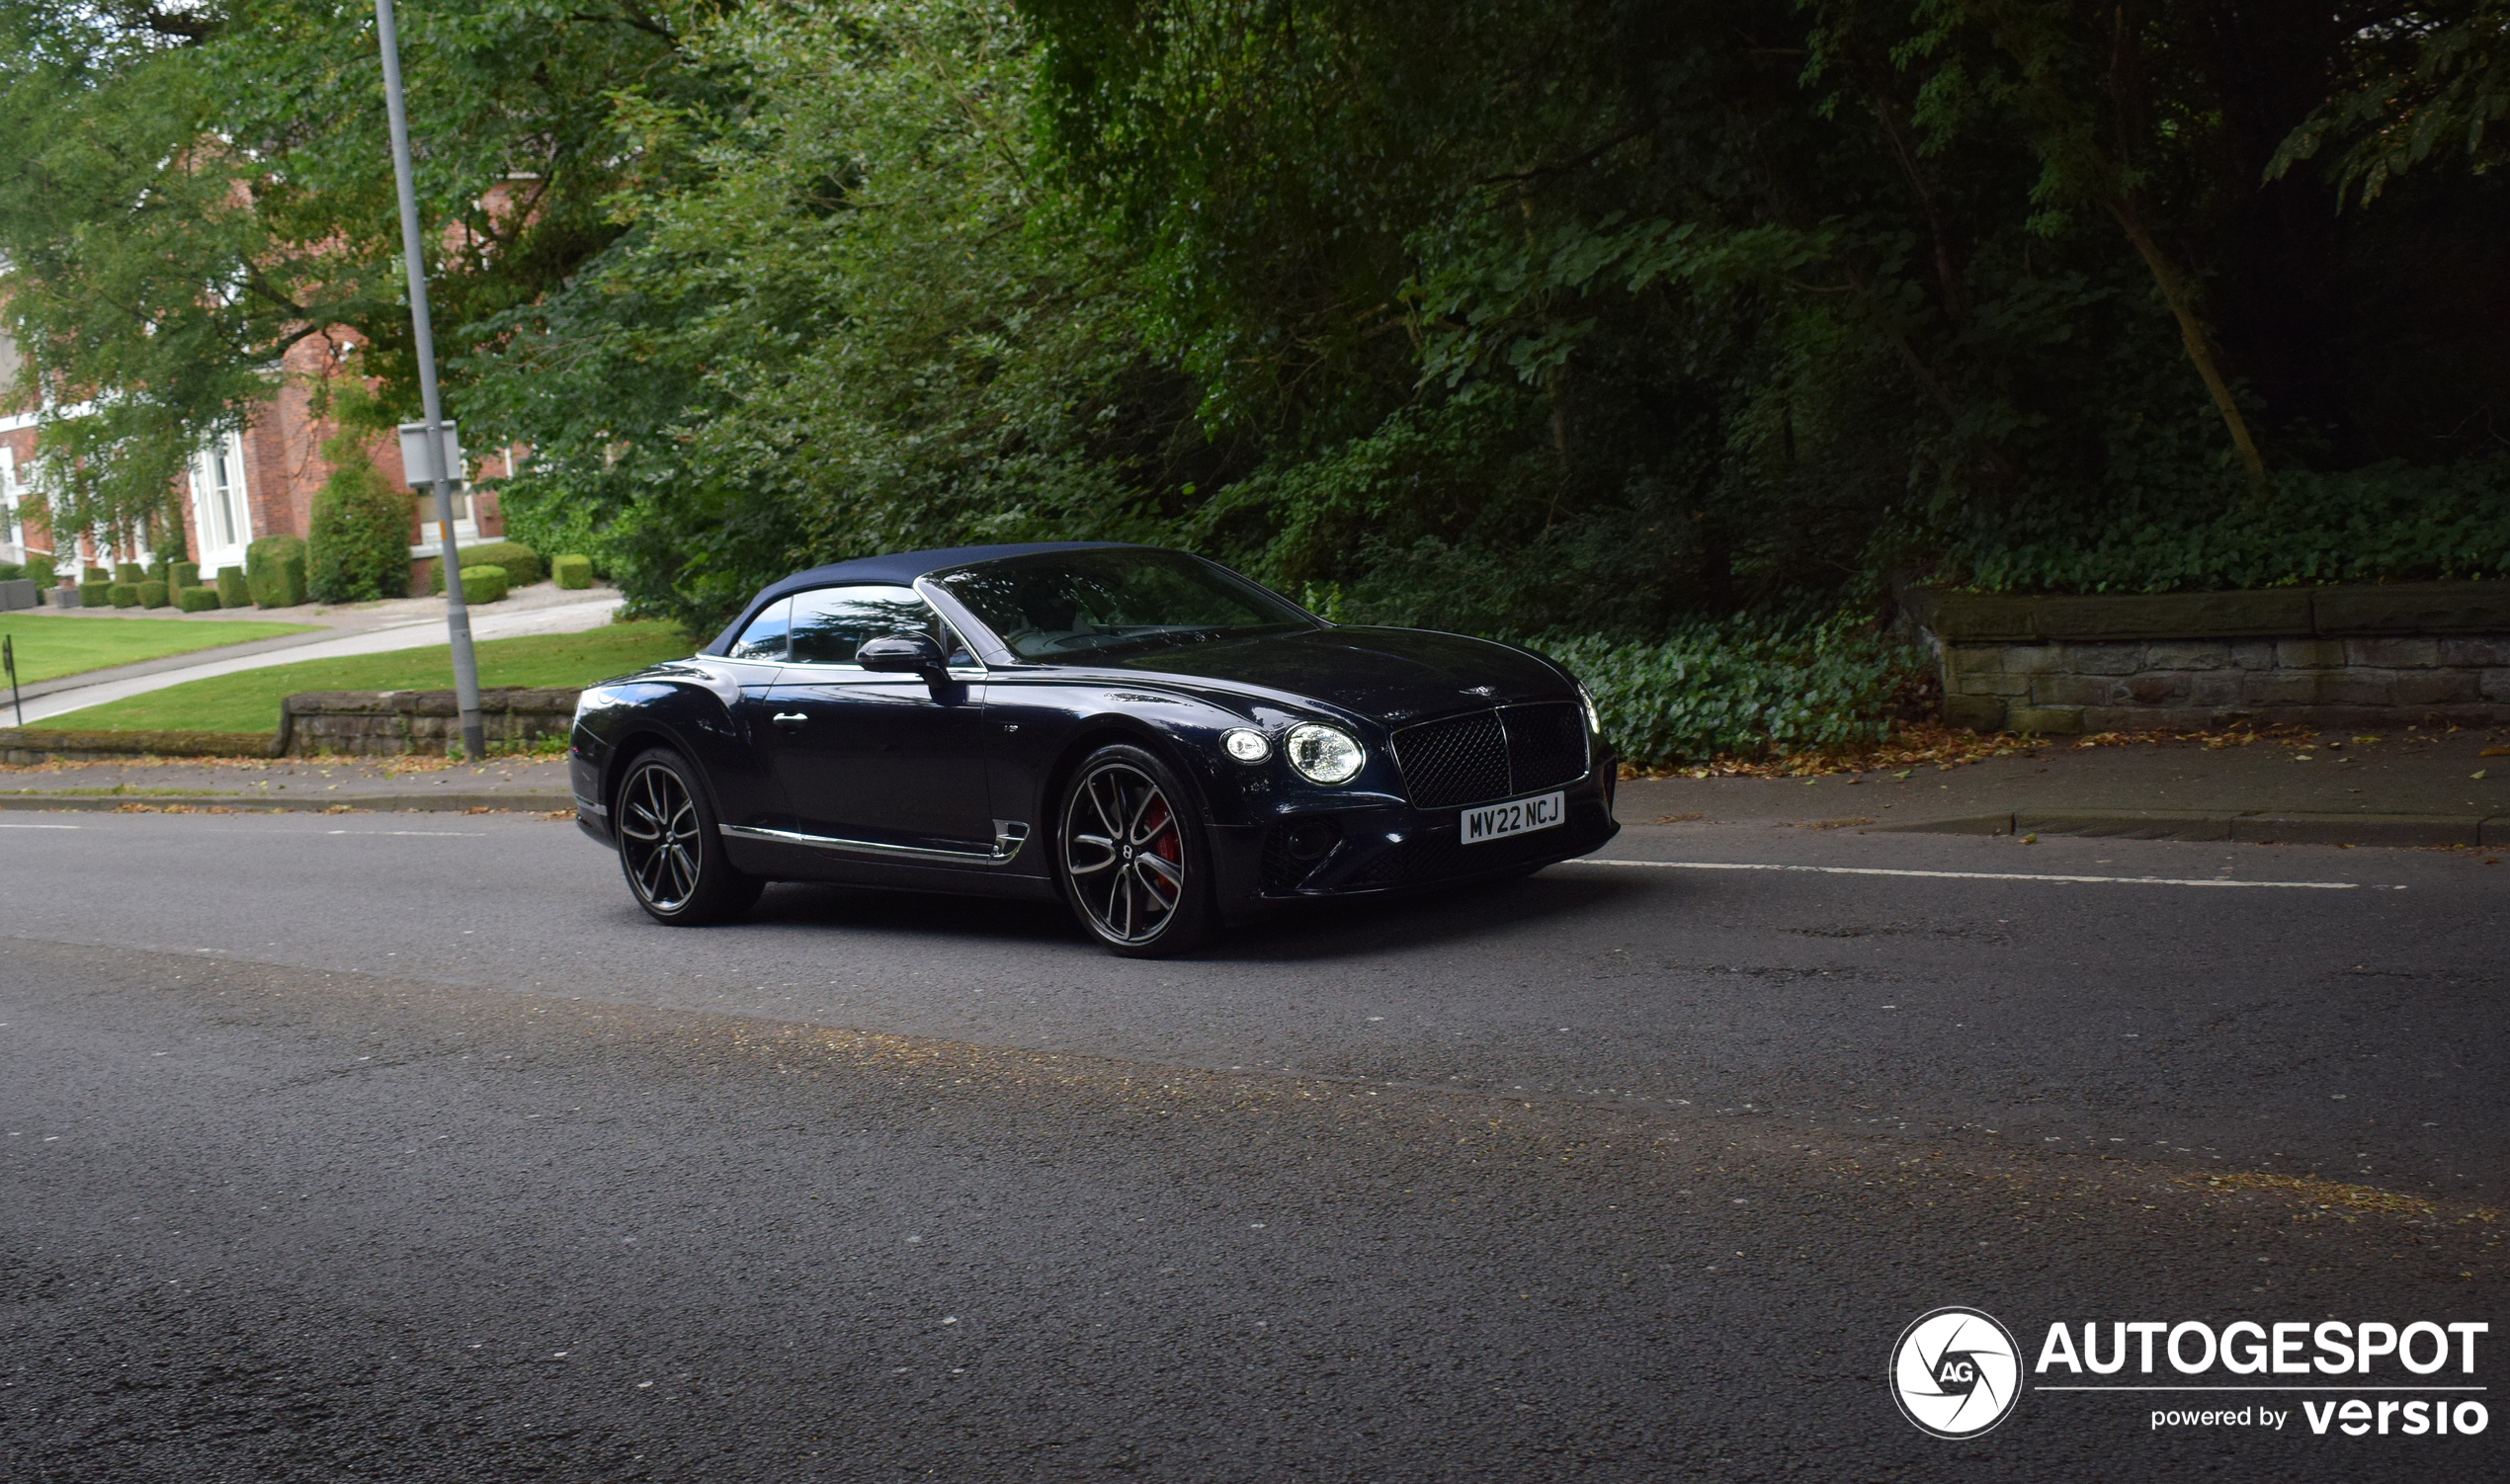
(355, 723)
(2404, 654)
(373, 723)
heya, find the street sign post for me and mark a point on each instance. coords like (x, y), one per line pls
(435, 446)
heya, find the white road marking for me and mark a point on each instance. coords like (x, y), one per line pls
(466, 834)
(6, 826)
(1980, 876)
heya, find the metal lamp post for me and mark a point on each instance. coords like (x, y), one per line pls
(438, 468)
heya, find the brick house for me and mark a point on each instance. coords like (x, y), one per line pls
(256, 483)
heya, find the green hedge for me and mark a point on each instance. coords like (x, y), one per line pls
(1741, 686)
(122, 593)
(152, 594)
(275, 570)
(130, 573)
(232, 590)
(196, 599)
(572, 571)
(522, 563)
(359, 539)
(10, 571)
(39, 565)
(183, 574)
(94, 573)
(94, 594)
(484, 583)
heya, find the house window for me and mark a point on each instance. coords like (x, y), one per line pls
(219, 510)
(12, 529)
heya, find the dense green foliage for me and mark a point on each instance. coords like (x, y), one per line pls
(522, 564)
(1598, 317)
(197, 599)
(358, 543)
(572, 571)
(1738, 686)
(484, 583)
(274, 571)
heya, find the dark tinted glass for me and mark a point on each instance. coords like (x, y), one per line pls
(765, 637)
(829, 625)
(1069, 604)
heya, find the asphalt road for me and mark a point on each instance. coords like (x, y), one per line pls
(401, 1146)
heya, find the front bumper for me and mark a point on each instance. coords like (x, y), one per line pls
(1384, 848)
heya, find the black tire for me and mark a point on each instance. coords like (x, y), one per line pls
(670, 849)
(1132, 857)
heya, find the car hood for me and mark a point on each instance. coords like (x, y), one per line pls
(1394, 675)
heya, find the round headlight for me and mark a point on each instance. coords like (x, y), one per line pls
(1326, 754)
(1245, 746)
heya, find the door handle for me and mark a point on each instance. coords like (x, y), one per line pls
(791, 718)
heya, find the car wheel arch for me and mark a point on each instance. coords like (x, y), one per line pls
(1102, 731)
(635, 744)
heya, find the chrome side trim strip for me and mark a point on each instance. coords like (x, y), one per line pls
(1008, 837)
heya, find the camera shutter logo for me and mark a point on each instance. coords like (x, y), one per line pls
(1956, 1372)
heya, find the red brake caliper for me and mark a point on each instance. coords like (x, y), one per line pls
(1163, 840)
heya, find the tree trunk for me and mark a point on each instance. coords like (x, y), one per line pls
(2192, 336)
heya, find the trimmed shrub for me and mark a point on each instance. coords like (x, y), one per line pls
(360, 543)
(94, 573)
(152, 594)
(156, 571)
(38, 567)
(275, 570)
(196, 599)
(122, 593)
(10, 571)
(232, 590)
(94, 594)
(183, 574)
(485, 583)
(130, 573)
(572, 571)
(522, 563)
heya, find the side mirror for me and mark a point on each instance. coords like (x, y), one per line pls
(902, 653)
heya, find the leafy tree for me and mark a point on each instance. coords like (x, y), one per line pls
(194, 190)
(2429, 81)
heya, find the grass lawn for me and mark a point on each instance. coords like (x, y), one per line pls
(51, 646)
(248, 701)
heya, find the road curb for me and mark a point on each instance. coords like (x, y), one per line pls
(251, 803)
(2251, 826)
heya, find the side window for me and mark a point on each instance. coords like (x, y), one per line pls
(828, 626)
(765, 638)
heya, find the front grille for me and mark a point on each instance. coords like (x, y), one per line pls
(1454, 762)
(1488, 755)
(1546, 746)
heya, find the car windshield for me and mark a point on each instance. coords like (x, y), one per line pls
(1065, 604)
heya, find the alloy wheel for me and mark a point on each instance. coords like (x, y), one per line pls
(658, 837)
(1123, 850)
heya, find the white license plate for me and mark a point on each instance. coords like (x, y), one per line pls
(1498, 821)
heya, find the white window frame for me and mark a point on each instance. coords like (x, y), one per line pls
(12, 528)
(221, 509)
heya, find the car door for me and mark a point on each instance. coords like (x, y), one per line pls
(892, 764)
(746, 789)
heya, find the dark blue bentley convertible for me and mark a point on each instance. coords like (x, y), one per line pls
(1143, 734)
